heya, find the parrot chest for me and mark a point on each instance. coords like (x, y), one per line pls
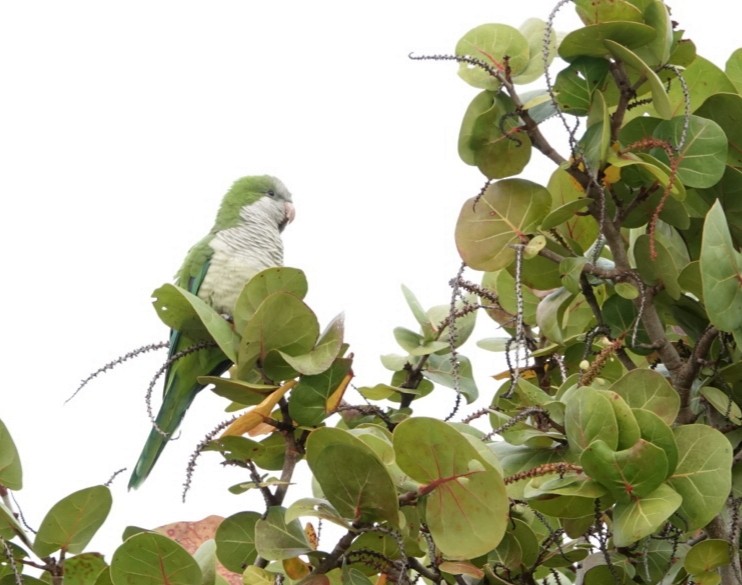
(229, 270)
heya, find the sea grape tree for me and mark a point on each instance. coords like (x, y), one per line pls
(606, 453)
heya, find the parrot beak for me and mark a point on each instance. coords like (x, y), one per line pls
(290, 211)
(289, 215)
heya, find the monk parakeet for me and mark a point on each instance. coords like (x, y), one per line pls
(245, 239)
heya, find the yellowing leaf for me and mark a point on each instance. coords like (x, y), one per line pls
(257, 415)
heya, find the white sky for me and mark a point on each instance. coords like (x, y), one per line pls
(121, 126)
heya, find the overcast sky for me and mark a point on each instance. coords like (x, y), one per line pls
(122, 124)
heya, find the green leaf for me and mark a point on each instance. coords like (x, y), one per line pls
(264, 284)
(148, 558)
(361, 488)
(10, 525)
(256, 576)
(322, 355)
(597, 11)
(729, 193)
(266, 454)
(664, 268)
(486, 230)
(657, 432)
(276, 539)
(238, 391)
(657, 52)
(187, 313)
(308, 400)
(703, 79)
(723, 404)
(660, 101)
(564, 189)
(703, 476)
(629, 474)
(589, 416)
(500, 149)
(639, 518)
(588, 41)
(628, 428)
(627, 290)
(565, 497)
(317, 508)
(205, 557)
(561, 314)
(464, 324)
(647, 389)
(416, 344)
(466, 505)
(235, 541)
(653, 169)
(564, 213)
(596, 141)
(574, 85)
(733, 69)
(73, 521)
(502, 284)
(492, 43)
(534, 30)
(721, 274)
(481, 103)
(440, 370)
(282, 323)
(707, 555)
(702, 157)
(83, 569)
(11, 473)
(519, 548)
(726, 110)
(417, 310)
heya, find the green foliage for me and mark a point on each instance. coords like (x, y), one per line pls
(606, 454)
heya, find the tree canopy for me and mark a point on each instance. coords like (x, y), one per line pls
(606, 453)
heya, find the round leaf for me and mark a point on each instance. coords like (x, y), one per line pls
(486, 229)
(265, 283)
(148, 558)
(276, 539)
(73, 521)
(639, 518)
(703, 156)
(629, 474)
(188, 314)
(308, 400)
(11, 474)
(466, 504)
(235, 541)
(322, 355)
(707, 555)
(492, 43)
(589, 416)
(703, 476)
(722, 403)
(499, 149)
(650, 390)
(361, 488)
(282, 323)
(721, 267)
(588, 41)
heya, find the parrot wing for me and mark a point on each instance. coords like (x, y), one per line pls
(181, 384)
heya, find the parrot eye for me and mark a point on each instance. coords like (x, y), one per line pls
(271, 193)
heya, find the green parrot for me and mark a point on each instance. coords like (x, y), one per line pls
(245, 239)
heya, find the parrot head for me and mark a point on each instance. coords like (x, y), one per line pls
(248, 194)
